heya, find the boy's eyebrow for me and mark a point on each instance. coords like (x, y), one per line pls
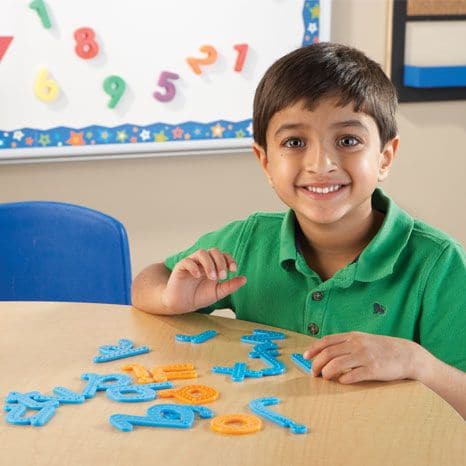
(288, 126)
(345, 123)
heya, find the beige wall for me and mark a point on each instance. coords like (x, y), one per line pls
(166, 202)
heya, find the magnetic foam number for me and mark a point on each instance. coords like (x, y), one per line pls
(211, 57)
(236, 424)
(86, 46)
(45, 89)
(165, 82)
(115, 87)
(242, 50)
(40, 8)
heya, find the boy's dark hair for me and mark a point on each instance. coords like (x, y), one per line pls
(323, 70)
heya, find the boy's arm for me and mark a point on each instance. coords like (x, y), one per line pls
(191, 285)
(356, 357)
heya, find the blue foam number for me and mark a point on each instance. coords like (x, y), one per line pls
(164, 415)
(258, 407)
(17, 411)
(196, 339)
(97, 383)
(124, 349)
(136, 393)
(305, 364)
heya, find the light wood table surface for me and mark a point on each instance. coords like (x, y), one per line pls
(44, 345)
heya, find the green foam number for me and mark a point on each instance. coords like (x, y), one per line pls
(41, 9)
(115, 87)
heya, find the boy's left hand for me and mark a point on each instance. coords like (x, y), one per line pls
(355, 357)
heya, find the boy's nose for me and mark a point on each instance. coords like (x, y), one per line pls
(318, 160)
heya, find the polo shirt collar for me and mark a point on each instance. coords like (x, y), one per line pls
(379, 256)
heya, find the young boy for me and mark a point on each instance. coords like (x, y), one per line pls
(381, 290)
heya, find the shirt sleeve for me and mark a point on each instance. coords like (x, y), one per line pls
(227, 239)
(443, 318)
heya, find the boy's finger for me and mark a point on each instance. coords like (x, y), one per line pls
(220, 263)
(359, 374)
(230, 262)
(230, 286)
(191, 266)
(327, 355)
(207, 263)
(323, 343)
(337, 366)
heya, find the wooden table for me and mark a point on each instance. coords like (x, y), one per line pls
(43, 345)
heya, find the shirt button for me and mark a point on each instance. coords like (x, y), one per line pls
(313, 328)
(317, 295)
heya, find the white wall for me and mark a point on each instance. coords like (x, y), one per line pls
(166, 203)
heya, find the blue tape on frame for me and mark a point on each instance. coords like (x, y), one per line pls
(434, 76)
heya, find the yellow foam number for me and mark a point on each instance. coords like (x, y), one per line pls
(193, 394)
(141, 374)
(173, 371)
(45, 89)
(236, 424)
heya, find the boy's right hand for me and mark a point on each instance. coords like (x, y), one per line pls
(193, 283)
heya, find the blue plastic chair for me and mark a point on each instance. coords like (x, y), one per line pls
(53, 251)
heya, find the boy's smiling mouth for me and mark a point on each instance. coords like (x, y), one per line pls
(322, 190)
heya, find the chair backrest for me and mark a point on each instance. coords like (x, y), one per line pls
(53, 251)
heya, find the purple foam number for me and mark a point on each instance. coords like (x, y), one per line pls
(258, 407)
(165, 82)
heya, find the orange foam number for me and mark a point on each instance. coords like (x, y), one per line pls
(242, 50)
(172, 372)
(45, 88)
(193, 394)
(141, 374)
(236, 424)
(195, 63)
(86, 46)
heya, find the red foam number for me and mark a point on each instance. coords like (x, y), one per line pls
(4, 44)
(86, 46)
(242, 50)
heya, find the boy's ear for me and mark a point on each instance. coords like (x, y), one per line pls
(263, 160)
(387, 157)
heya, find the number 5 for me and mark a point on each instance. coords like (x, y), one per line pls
(164, 81)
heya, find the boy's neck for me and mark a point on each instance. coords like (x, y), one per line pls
(327, 249)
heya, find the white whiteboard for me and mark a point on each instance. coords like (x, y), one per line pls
(137, 41)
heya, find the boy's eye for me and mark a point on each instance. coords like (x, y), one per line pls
(348, 141)
(293, 143)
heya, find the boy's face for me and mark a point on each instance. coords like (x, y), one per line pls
(325, 163)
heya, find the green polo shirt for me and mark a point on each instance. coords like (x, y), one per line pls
(408, 282)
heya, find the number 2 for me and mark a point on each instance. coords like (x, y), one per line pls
(211, 58)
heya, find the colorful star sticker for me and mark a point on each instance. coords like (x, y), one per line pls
(18, 135)
(144, 135)
(217, 130)
(312, 28)
(315, 11)
(239, 134)
(29, 141)
(76, 139)
(121, 136)
(249, 128)
(44, 140)
(177, 133)
(104, 135)
(160, 137)
(89, 135)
